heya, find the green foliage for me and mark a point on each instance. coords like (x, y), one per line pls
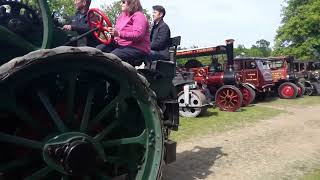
(260, 49)
(114, 10)
(64, 7)
(299, 34)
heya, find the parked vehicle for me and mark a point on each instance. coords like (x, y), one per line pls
(221, 86)
(287, 84)
(256, 73)
(75, 112)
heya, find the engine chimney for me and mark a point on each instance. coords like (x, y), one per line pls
(229, 47)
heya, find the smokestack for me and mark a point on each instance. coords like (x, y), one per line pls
(229, 47)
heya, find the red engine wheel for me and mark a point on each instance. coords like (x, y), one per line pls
(301, 89)
(288, 90)
(229, 98)
(97, 19)
(248, 95)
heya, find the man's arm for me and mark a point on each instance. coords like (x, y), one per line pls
(160, 42)
(81, 27)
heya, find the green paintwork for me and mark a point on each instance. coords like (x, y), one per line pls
(62, 97)
(126, 130)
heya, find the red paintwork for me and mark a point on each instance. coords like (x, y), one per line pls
(212, 80)
(299, 91)
(279, 73)
(287, 91)
(228, 99)
(246, 95)
(102, 24)
(260, 77)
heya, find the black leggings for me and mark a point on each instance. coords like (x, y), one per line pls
(125, 53)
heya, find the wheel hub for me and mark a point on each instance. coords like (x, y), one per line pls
(288, 91)
(74, 156)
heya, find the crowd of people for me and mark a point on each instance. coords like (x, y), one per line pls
(132, 37)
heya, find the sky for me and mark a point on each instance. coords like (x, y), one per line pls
(206, 23)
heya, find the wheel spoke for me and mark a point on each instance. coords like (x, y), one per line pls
(72, 79)
(53, 113)
(108, 107)
(228, 92)
(87, 110)
(13, 106)
(20, 141)
(40, 174)
(105, 36)
(224, 93)
(141, 139)
(27, 118)
(15, 164)
(94, 23)
(106, 131)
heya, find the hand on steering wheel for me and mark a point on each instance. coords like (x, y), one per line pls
(99, 21)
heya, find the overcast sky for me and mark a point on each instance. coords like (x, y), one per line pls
(210, 22)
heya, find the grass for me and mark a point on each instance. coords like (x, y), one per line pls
(313, 176)
(217, 121)
(305, 101)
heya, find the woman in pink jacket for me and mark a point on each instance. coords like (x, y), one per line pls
(131, 33)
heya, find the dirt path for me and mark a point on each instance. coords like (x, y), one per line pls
(284, 147)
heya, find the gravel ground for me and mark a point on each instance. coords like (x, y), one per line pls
(284, 147)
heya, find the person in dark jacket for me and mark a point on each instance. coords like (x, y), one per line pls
(160, 35)
(80, 24)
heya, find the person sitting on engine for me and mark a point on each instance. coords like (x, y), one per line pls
(80, 24)
(160, 35)
(131, 34)
(215, 66)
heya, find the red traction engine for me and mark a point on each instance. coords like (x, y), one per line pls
(223, 86)
(286, 80)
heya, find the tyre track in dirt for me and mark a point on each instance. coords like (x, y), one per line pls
(284, 147)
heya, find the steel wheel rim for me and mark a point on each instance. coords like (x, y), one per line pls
(246, 96)
(195, 101)
(150, 137)
(228, 99)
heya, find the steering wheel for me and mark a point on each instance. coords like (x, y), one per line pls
(99, 21)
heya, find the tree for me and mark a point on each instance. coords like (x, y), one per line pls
(299, 34)
(63, 7)
(263, 46)
(260, 49)
(114, 10)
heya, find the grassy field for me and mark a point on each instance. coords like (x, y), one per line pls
(215, 121)
(305, 101)
(313, 176)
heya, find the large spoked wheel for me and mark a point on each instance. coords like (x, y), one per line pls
(195, 106)
(288, 90)
(301, 89)
(75, 113)
(229, 98)
(97, 19)
(248, 94)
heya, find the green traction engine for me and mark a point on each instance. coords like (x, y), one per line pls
(75, 112)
